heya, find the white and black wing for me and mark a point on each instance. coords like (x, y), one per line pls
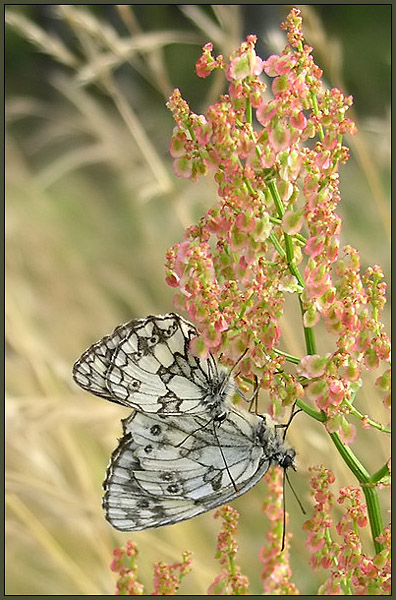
(90, 370)
(166, 470)
(146, 364)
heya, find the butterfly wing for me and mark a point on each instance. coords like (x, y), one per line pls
(167, 470)
(90, 370)
(147, 365)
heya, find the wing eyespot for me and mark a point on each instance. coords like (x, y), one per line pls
(173, 488)
(155, 430)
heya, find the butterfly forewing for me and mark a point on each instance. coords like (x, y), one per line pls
(166, 470)
(89, 371)
(147, 365)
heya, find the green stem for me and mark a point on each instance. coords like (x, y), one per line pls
(289, 357)
(366, 481)
(232, 564)
(308, 334)
(329, 541)
(308, 331)
(277, 245)
(288, 240)
(351, 460)
(315, 109)
(359, 415)
(310, 340)
(248, 112)
(370, 492)
(276, 198)
(382, 473)
(315, 414)
(374, 514)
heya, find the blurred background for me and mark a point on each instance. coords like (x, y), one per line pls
(92, 206)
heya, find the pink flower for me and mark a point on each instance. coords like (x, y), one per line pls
(245, 222)
(279, 136)
(221, 324)
(292, 222)
(298, 120)
(313, 365)
(266, 111)
(230, 580)
(183, 167)
(245, 66)
(314, 246)
(347, 432)
(317, 281)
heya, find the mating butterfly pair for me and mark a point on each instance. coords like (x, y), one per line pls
(186, 449)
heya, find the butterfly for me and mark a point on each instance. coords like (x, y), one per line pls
(167, 469)
(147, 365)
(186, 449)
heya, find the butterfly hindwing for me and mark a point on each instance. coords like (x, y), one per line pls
(146, 364)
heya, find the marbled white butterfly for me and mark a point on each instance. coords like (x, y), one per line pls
(146, 364)
(187, 449)
(168, 469)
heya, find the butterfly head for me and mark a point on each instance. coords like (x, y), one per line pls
(286, 458)
(276, 448)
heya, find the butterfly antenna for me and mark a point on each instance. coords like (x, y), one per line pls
(254, 398)
(286, 426)
(225, 462)
(284, 512)
(192, 433)
(239, 360)
(233, 369)
(295, 494)
(286, 478)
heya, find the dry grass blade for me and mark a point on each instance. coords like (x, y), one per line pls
(230, 21)
(212, 31)
(50, 545)
(90, 154)
(83, 21)
(48, 44)
(154, 162)
(110, 50)
(126, 49)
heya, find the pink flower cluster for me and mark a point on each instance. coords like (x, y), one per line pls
(167, 578)
(352, 315)
(351, 571)
(276, 572)
(124, 563)
(275, 183)
(275, 156)
(230, 580)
